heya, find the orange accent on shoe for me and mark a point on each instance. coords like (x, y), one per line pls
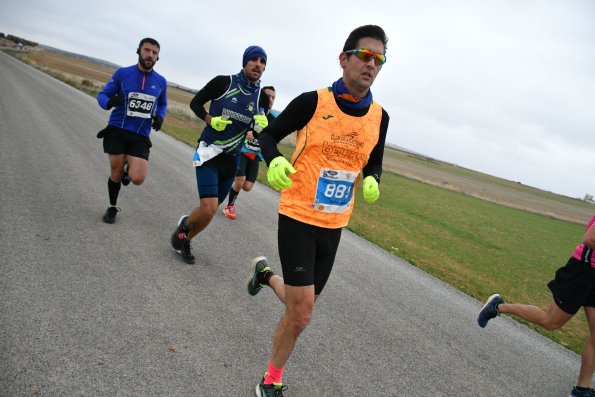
(230, 212)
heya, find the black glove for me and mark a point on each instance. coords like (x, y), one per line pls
(115, 101)
(157, 121)
(101, 134)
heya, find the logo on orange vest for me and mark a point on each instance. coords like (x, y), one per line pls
(349, 139)
(338, 152)
(327, 117)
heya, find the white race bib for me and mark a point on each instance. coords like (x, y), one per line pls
(205, 152)
(334, 190)
(252, 144)
(140, 105)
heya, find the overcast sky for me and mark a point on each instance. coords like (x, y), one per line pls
(504, 87)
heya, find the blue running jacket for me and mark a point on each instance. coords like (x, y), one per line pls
(145, 95)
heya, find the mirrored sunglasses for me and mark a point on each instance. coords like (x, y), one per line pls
(365, 55)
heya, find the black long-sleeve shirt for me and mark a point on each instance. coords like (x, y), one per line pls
(299, 112)
(213, 90)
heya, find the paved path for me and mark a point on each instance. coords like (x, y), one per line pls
(90, 309)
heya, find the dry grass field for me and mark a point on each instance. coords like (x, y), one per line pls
(93, 76)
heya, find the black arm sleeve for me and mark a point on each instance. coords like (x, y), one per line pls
(374, 165)
(213, 90)
(295, 117)
(263, 102)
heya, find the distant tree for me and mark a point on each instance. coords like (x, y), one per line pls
(18, 40)
(2, 35)
(588, 197)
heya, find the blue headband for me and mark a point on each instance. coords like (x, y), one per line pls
(253, 52)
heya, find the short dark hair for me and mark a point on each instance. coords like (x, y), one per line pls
(373, 31)
(269, 87)
(150, 41)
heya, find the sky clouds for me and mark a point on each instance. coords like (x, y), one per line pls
(502, 87)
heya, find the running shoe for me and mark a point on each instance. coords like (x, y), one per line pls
(110, 215)
(179, 235)
(187, 253)
(489, 310)
(230, 212)
(585, 393)
(259, 265)
(180, 243)
(125, 178)
(272, 390)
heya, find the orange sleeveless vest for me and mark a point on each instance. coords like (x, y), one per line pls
(331, 150)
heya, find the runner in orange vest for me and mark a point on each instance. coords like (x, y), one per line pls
(340, 141)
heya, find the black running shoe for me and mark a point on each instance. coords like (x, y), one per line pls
(273, 390)
(110, 214)
(489, 310)
(125, 178)
(259, 265)
(583, 393)
(179, 235)
(180, 243)
(187, 253)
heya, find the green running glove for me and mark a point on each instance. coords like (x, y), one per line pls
(371, 192)
(219, 123)
(261, 121)
(277, 173)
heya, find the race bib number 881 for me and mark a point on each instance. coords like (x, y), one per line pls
(334, 190)
(140, 105)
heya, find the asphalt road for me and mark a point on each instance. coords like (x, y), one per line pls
(90, 309)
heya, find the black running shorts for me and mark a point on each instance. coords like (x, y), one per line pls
(307, 252)
(248, 168)
(574, 286)
(119, 141)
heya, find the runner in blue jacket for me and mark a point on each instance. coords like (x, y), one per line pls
(138, 96)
